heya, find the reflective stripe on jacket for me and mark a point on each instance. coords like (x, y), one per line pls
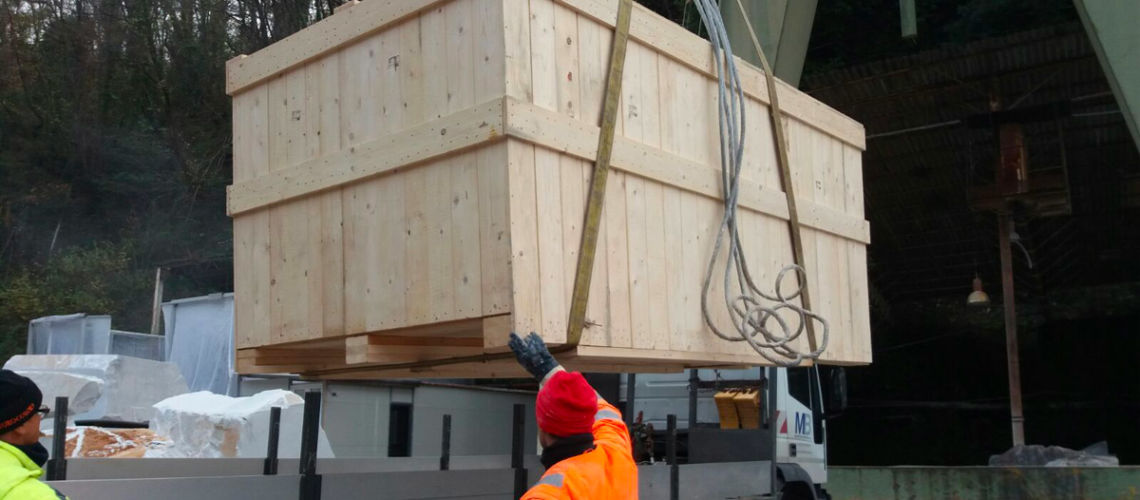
(19, 477)
(604, 473)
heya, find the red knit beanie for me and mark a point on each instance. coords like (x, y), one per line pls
(566, 405)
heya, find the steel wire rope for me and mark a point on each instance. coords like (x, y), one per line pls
(758, 323)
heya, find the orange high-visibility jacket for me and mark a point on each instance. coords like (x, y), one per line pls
(607, 472)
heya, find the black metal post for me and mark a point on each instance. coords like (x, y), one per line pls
(671, 458)
(773, 427)
(630, 392)
(518, 427)
(694, 383)
(310, 428)
(274, 438)
(445, 448)
(57, 465)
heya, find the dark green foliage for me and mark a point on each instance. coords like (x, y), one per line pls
(115, 149)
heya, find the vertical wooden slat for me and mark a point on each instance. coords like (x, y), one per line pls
(593, 54)
(573, 207)
(489, 48)
(516, 29)
(638, 262)
(525, 271)
(251, 231)
(417, 251)
(494, 230)
(859, 299)
(466, 251)
(566, 71)
(435, 63)
(355, 65)
(441, 281)
(291, 252)
(544, 83)
(326, 104)
(461, 72)
(617, 260)
(572, 187)
(803, 178)
(544, 87)
(657, 266)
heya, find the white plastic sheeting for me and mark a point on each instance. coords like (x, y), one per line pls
(207, 425)
(200, 340)
(89, 334)
(131, 386)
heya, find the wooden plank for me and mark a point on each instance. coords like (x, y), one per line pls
(597, 329)
(251, 260)
(526, 285)
(435, 63)
(657, 280)
(617, 261)
(566, 61)
(859, 298)
(548, 174)
(544, 79)
(489, 50)
(357, 122)
(516, 30)
(559, 133)
(593, 57)
(466, 249)
(436, 139)
(288, 225)
(551, 246)
(417, 245)
(325, 133)
(318, 39)
(641, 334)
(691, 51)
(441, 275)
(494, 229)
(461, 51)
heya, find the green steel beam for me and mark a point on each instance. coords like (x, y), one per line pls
(1111, 27)
(783, 27)
(979, 483)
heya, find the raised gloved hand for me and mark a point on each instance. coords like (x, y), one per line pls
(532, 354)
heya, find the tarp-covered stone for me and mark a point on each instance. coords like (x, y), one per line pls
(130, 386)
(207, 425)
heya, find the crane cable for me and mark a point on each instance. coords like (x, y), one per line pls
(753, 319)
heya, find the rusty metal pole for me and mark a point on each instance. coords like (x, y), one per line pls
(1017, 419)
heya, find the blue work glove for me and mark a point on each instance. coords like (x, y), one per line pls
(532, 354)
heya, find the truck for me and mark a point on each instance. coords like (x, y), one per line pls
(805, 398)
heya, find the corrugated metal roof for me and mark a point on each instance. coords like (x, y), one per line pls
(922, 158)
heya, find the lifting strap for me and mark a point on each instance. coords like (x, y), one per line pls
(785, 174)
(596, 198)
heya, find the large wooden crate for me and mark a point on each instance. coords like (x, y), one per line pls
(410, 179)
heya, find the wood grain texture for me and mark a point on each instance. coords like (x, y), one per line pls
(416, 190)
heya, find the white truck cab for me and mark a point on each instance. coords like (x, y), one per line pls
(800, 441)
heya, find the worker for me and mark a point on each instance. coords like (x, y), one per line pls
(585, 444)
(21, 454)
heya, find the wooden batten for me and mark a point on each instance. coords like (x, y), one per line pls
(410, 179)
